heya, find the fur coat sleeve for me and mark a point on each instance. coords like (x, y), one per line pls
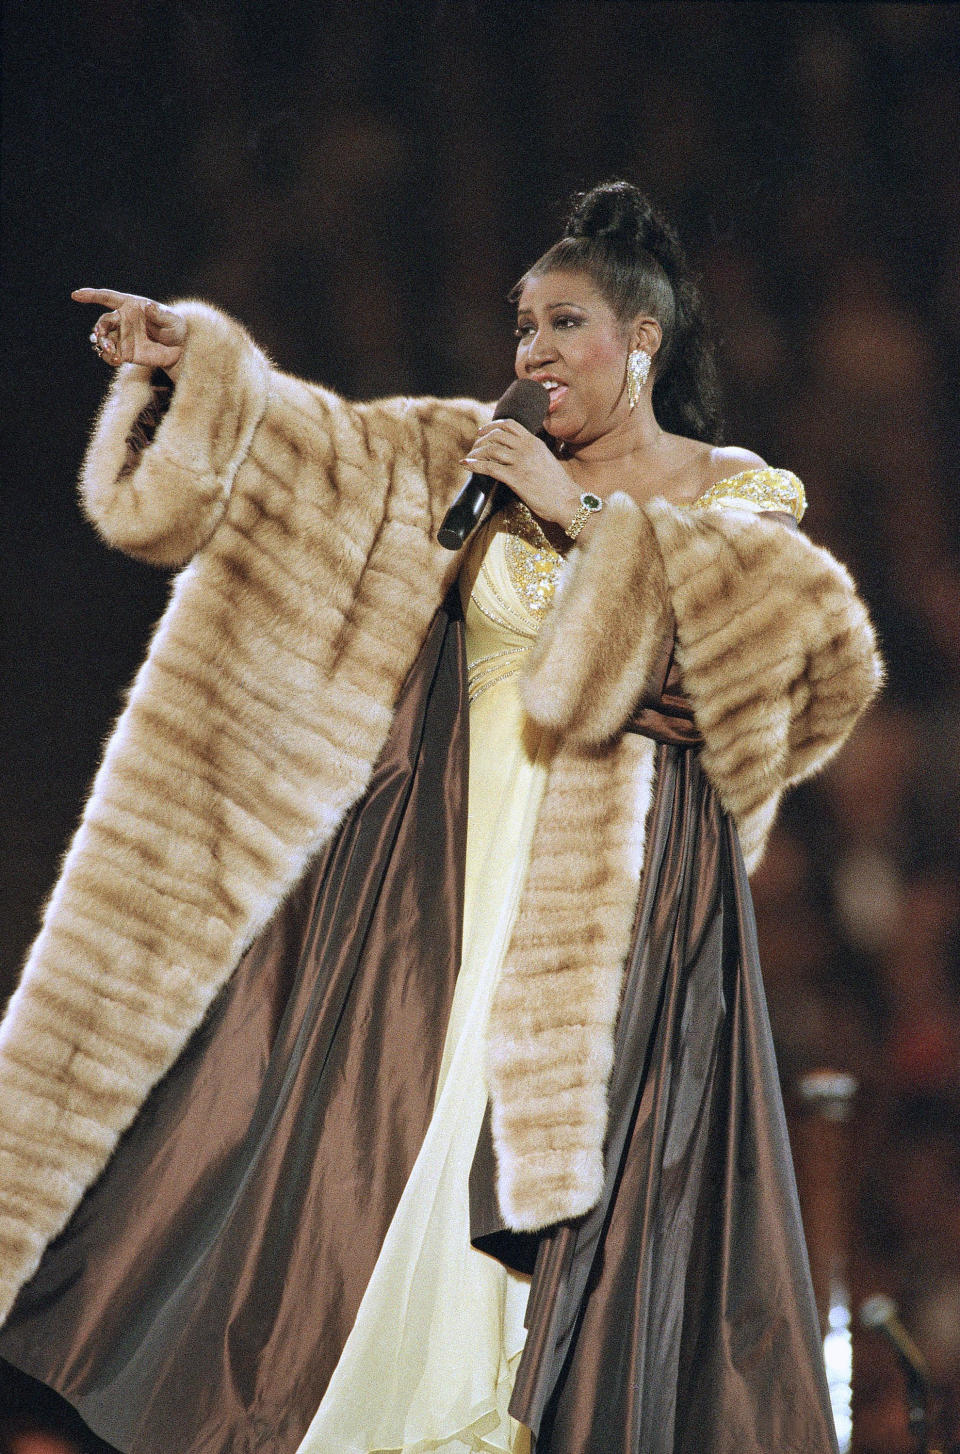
(306, 528)
(778, 659)
(775, 648)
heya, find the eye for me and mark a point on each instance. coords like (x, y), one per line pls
(567, 320)
(523, 330)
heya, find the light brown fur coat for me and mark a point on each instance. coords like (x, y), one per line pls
(306, 526)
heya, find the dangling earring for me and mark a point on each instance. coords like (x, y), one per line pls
(638, 367)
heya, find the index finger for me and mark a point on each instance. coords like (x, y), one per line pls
(106, 297)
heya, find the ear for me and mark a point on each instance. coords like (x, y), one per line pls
(646, 333)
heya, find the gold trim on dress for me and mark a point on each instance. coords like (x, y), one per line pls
(764, 489)
(498, 666)
(532, 562)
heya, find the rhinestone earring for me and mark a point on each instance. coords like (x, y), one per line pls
(638, 368)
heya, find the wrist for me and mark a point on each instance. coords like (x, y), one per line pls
(565, 506)
(587, 506)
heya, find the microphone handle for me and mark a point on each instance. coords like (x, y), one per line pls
(464, 513)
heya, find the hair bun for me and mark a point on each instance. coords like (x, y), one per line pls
(620, 213)
(617, 210)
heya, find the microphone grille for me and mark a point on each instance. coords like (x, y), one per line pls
(526, 401)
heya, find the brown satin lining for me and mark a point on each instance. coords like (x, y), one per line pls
(678, 1316)
(201, 1295)
(664, 713)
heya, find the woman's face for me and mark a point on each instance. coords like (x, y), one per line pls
(569, 339)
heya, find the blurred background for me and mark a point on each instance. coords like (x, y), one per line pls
(361, 184)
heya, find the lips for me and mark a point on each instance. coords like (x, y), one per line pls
(557, 392)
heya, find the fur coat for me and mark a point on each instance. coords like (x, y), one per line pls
(305, 526)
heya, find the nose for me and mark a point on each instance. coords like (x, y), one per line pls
(540, 350)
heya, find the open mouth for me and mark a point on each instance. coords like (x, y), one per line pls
(557, 392)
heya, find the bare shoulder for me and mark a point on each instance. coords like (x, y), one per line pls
(719, 462)
(699, 466)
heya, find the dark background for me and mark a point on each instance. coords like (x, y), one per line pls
(361, 184)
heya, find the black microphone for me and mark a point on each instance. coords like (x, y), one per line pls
(525, 401)
(879, 1313)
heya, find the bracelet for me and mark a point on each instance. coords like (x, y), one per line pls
(589, 505)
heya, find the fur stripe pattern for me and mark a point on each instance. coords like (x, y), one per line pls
(776, 650)
(252, 727)
(309, 526)
(551, 1029)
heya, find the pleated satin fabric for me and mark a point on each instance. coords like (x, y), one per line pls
(678, 1316)
(200, 1296)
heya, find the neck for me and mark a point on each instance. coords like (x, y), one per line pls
(631, 438)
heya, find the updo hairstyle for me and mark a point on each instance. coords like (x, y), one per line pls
(633, 256)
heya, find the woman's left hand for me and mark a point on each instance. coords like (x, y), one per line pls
(507, 452)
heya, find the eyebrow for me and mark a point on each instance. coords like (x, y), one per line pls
(551, 306)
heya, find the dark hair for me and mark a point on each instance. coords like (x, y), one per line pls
(634, 257)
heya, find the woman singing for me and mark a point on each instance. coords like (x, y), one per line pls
(392, 1071)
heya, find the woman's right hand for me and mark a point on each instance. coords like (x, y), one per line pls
(136, 330)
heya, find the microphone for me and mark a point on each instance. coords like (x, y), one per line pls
(525, 401)
(879, 1313)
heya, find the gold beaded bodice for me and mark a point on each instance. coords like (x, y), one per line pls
(507, 585)
(759, 489)
(533, 564)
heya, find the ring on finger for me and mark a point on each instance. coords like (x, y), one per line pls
(103, 347)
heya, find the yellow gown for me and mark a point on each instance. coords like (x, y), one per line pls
(429, 1363)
